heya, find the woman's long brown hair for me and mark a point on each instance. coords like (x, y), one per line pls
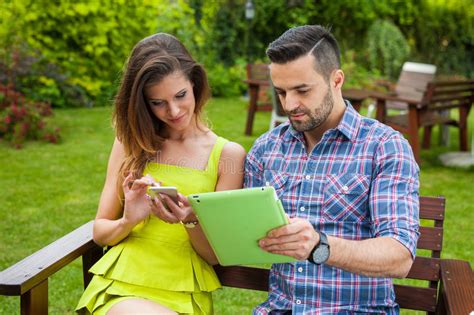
(137, 128)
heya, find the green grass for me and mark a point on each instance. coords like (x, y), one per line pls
(48, 190)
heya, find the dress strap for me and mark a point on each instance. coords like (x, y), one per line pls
(216, 154)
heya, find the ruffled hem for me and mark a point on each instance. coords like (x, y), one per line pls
(169, 268)
(102, 294)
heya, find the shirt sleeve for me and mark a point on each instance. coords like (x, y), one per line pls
(394, 196)
(254, 167)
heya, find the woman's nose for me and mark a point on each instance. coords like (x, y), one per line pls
(173, 109)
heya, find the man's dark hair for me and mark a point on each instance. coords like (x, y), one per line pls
(302, 40)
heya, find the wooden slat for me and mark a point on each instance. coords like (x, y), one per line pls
(243, 277)
(36, 268)
(457, 286)
(452, 82)
(447, 98)
(425, 268)
(432, 208)
(422, 299)
(430, 238)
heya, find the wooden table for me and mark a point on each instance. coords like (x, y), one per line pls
(356, 97)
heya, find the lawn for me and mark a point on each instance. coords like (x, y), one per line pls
(48, 190)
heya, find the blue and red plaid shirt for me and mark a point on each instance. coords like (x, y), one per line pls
(360, 181)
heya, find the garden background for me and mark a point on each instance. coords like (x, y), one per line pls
(59, 69)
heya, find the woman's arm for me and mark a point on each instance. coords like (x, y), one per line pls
(230, 176)
(112, 224)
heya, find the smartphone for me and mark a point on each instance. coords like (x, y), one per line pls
(170, 191)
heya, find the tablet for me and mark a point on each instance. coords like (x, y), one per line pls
(235, 220)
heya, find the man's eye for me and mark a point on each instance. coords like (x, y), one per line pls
(281, 93)
(303, 91)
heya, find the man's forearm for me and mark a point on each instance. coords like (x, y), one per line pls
(376, 257)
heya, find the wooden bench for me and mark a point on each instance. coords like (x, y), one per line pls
(438, 97)
(450, 287)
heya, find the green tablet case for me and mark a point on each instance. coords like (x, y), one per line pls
(234, 220)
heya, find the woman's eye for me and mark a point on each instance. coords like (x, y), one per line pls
(156, 103)
(181, 95)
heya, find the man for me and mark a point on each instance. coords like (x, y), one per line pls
(348, 183)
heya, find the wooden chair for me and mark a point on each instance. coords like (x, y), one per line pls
(426, 112)
(278, 114)
(258, 78)
(450, 288)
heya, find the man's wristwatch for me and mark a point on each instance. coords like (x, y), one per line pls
(320, 253)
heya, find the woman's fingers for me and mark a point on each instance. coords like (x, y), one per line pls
(160, 211)
(127, 182)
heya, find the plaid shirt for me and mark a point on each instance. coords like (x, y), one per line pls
(360, 181)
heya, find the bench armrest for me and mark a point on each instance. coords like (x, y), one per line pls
(457, 286)
(38, 267)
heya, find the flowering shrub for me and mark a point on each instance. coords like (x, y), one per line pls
(22, 119)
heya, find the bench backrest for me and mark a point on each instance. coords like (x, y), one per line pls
(258, 71)
(425, 267)
(414, 79)
(448, 94)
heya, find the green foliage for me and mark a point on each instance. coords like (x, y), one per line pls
(87, 40)
(22, 119)
(443, 34)
(79, 48)
(33, 75)
(387, 48)
(356, 74)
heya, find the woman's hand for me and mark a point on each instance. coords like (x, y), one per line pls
(137, 202)
(167, 210)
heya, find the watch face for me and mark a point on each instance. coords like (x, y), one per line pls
(321, 254)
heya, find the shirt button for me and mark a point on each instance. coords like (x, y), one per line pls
(298, 301)
(302, 208)
(267, 184)
(345, 188)
(308, 177)
(300, 269)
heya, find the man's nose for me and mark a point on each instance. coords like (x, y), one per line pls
(290, 102)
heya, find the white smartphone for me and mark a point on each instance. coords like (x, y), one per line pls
(170, 191)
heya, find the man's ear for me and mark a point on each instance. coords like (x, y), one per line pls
(337, 79)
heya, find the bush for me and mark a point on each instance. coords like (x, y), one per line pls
(86, 41)
(227, 80)
(32, 75)
(22, 119)
(387, 48)
(356, 74)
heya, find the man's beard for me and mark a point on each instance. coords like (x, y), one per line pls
(316, 118)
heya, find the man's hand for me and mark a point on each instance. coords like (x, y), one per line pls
(295, 239)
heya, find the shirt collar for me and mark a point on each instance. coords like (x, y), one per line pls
(348, 126)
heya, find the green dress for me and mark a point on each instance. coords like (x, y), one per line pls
(156, 261)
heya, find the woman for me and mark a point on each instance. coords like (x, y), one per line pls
(157, 265)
